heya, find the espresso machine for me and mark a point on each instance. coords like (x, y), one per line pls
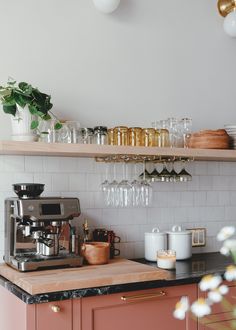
(38, 232)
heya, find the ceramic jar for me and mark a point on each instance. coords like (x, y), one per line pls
(154, 242)
(181, 242)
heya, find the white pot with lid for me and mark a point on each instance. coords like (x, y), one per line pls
(154, 242)
(181, 242)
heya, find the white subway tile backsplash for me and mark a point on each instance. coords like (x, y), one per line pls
(200, 198)
(77, 182)
(13, 163)
(33, 164)
(60, 182)
(187, 198)
(212, 198)
(209, 200)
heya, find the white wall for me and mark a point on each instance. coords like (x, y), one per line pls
(151, 59)
(208, 201)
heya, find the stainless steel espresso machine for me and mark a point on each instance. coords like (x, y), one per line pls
(38, 233)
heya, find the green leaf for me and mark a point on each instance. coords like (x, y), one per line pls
(9, 108)
(33, 109)
(34, 124)
(23, 86)
(58, 125)
(21, 100)
(47, 117)
(5, 92)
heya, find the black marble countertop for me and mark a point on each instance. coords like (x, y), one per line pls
(187, 272)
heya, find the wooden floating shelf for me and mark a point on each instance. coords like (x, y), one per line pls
(92, 151)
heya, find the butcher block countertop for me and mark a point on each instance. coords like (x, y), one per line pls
(118, 271)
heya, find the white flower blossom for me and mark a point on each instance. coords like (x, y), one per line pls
(225, 233)
(181, 308)
(200, 308)
(225, 251)
(230, 244)
(210, 282)
(216, 295)
(230, 274)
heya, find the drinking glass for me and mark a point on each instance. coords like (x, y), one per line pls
(105, 188)
(186, 127)
(73, 127)
(149, 137)
(164, 174)
(136, 189)
(135, 136)
(183, 175)
(121, 135)
(114, 200)
(124, 189)
(146, 189)
(173, 131)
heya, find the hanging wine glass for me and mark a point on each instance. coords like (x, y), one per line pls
(105, 187)
(165, 174)
(183, 175)
(146, 189)
(136, 189)
(124, 189)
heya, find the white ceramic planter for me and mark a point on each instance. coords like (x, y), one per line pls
(20, 124)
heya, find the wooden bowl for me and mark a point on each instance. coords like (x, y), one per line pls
(96, 253)
(209, 139)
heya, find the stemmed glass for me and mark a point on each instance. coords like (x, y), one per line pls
(136, 189)
(183, 175)
(124, 189)
(105, 187)
(165, 174)
(146, 189)
(113, 189)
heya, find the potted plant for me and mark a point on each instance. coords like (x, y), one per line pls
(28, 106)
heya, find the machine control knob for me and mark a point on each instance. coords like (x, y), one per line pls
(31, 208)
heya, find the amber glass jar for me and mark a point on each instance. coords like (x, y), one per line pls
(149, 137)
(163, 139)
(121, 135)
(135, 136)
(111, 136)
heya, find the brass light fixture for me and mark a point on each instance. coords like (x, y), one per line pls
(227, 9)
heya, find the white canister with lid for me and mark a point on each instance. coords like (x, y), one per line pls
(181, 242)
(154, 242)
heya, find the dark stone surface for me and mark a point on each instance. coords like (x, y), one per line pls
(187, 272)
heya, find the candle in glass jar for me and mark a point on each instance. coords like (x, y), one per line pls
(166, 259)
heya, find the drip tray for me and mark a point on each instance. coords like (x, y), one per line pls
(30, 262)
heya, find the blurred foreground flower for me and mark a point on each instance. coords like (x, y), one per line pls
(210, 282)
(213, 284)
(226, 233)
(216, 295)
(230, 274)
(201, 308)
(181, 308)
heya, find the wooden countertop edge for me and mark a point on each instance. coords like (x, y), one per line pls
(100, 276)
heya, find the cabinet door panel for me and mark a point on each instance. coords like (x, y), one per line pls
(55, 315)
(110, 312)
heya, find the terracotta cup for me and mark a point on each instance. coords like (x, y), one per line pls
(96, 253)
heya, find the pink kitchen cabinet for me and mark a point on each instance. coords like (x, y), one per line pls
(149, 309)
(59, 315)
(144, 309)
(222, 314)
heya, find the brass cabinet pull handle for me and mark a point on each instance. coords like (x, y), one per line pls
(55, 309)
(145, 296)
